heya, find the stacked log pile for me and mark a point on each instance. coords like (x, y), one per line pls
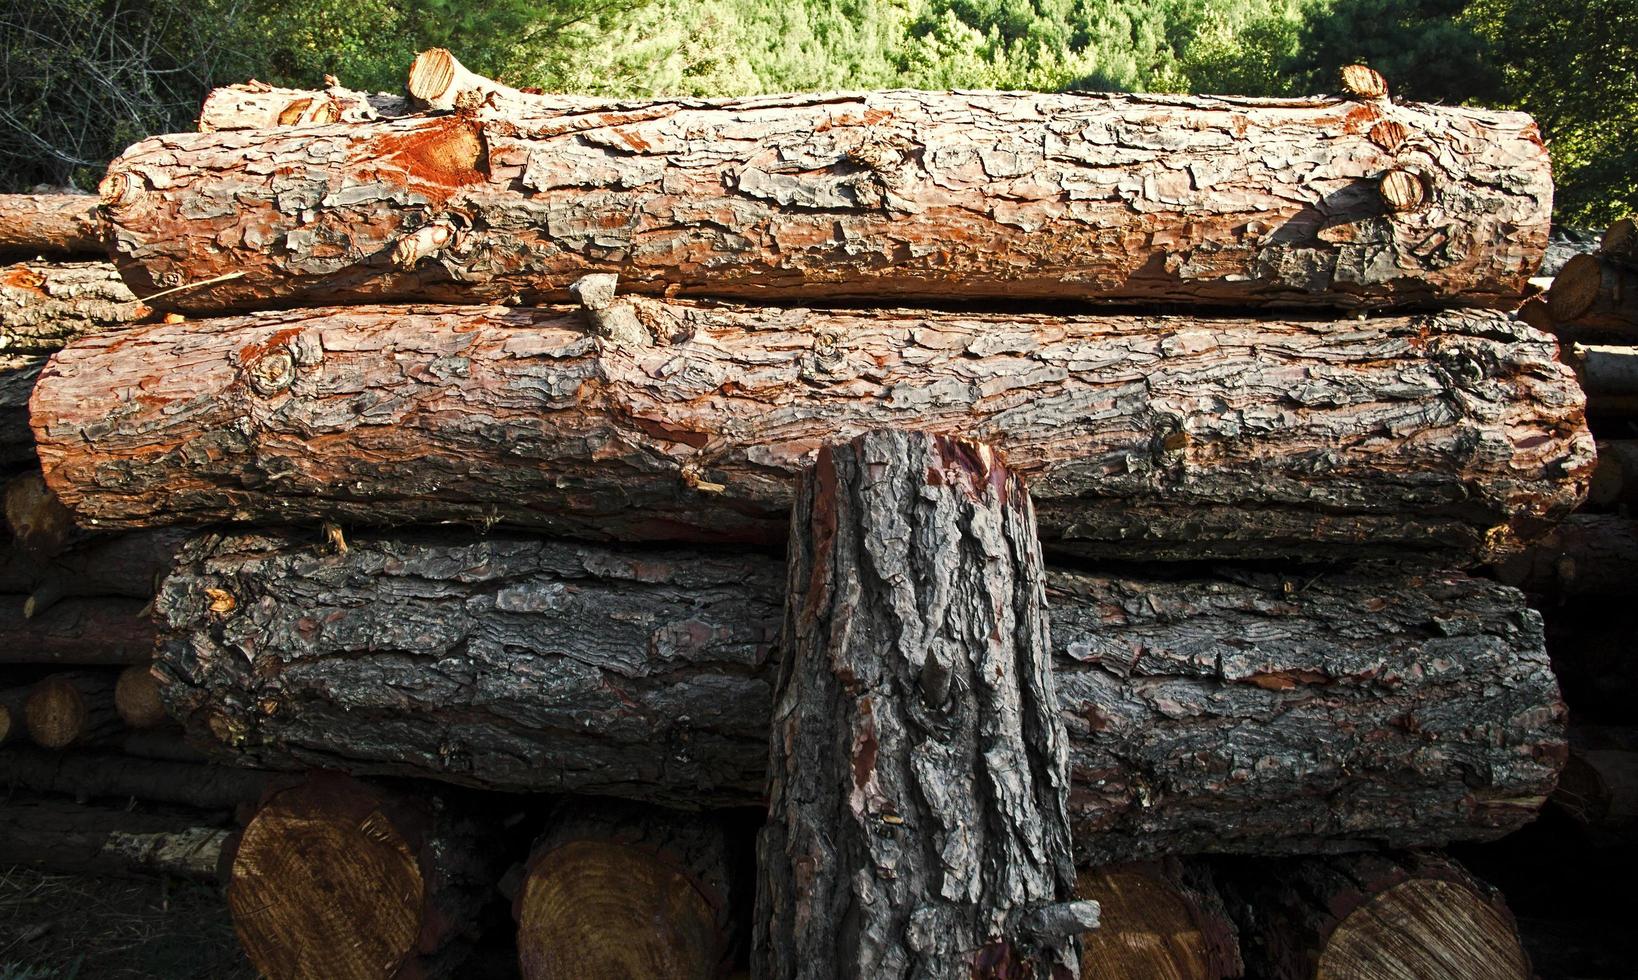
(1048, 524)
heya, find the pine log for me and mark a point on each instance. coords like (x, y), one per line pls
(1599, 786)
(1587, 555)
(67, 838)
(1620, 243)
(258, 105)
(1374, 917)
(616, 890)
(1158, 920)
(1615, 479)
(1220, 201)
(44, 305)
(18, 373)
(13, 727)
(1246, 712)
(71, 709)
(76, 632)
(136, 698)
(37, 519)
(1436, 436)
(51, 224)
(1592, 294)
(1609, 375)
(918, 787)
(336, 879)
(126, 565)
(118, 776)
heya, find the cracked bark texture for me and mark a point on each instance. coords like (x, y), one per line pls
(1117, 198)
(51, 224)
(1219, 712)
(258, 105)
(917, 784)
(44, 305)
(1442, 436)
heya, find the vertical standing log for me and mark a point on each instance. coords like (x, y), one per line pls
(917, 820)
(1159, 920)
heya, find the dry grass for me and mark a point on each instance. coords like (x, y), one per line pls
(68, 927)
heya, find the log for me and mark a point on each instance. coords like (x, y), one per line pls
(340, 879)
(917, 814)
(617, 890)
(1614, 481)
(1429, 437)
(136, 698)
(1374, 917)
(37, 519)
(1609, 374)
(1587, 555)
(76, 632)
(71, 709)
(119, 777)
(1367, 710)
(13, 727)
(17, 376)
(258, 105)
(51, 224)
(44, 305)
(1158, 920)
(1599, 786)
(1620, 243)
(67, 838)
(106, 565)
(1218, 201)
(1592, 294)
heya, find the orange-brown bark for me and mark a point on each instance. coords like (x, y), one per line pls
(50, 224)
(1122, 198)
(1143, 436)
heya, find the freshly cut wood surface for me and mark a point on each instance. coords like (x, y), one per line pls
(917, 785)
(341, 880)
(1236, 712)
(51, 224)
(69, 838)
(1439, 437)
(1158, 920)
(925, 195)
(258, 105)
(1375, 917)
(44, 305)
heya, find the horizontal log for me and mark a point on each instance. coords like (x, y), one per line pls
(1158, 920)
(1587, 555)
(1231, 713)
(1594, 295)
(89, 775)
(1314, 202)
(127, 565)
(74, 708)
(258, 105)
(1599, 786)
(104, 631)
(57, 225)
(18, 372)
(44, 305)
(67, 838)
(1432, 436)
(1614, 481)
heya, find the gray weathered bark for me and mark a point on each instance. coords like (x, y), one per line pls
(1250, 712)
(1123, 198)
(258, 105)
(18, 372)
(44, 305)
(1429, 437)
(917, 822)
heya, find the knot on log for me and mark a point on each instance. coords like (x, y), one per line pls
(611, 320)
(1404, 191)
(272, 372)
(119, 189)
(425, 242)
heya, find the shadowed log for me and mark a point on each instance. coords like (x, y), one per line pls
(114, 774)
(258, 105)
(615, 890)
(1124, 198)
(1432, 436)
(51, 224)
(1589, 554)
(136, 698)
(917, 822)
(13, 727)
(71, 709)
(1592, 294)
(69, 838)
(1373, 917)
(1158, 920)
(1599, 786)
(126, 565)
(76, 632)
(17, 375)
(44, 305)
(38, 521)
(1615, 479)
(341, 880)
(1249, 712)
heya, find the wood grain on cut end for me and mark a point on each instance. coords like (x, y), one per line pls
(1620, 242)
(13, 724)
(605, 910)
(1426, 928)
(1364, 82)
(325, 886)
(37, 519)
(1404, 191)
(1574, 288)
(65, 709)
(433, 73)
(1151, 928)
(136, 698)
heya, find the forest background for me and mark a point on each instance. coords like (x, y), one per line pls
(81, 79)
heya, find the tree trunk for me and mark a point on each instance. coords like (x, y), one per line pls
(616, 890)
(44, 305)
(1374, 917)
(917, 821)
(76, 632)
(341, 880)
(916, 195)
(1592, 294)
(1158, 920)
(258, 105)
(66, 838)
(1417, 437)
(1368, 707)
(119, 777)
(1587, 555)
(51, 224)
(136, 698)
(71, 709)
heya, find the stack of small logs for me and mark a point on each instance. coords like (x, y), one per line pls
(636, 511)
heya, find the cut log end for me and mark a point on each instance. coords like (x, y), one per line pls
(1575, 288)
(1425, 927)
(1364, 82)
(57, 713)
(1152, 929)
(1620, 242)
(325, 885)
(433, 74)
(136, 698)
(593, 908)
(37, 519)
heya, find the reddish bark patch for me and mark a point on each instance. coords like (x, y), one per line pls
(249, 353)
(1360, 119)
(449, 153)
(22, 277)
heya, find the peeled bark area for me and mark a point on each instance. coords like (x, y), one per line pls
(1375, 917)
(1232, 712)
(340, 880)
(50, 224)
(1158, 920)
(616, 890)
(916, 816)
(44, 305)
(1121, 198)
(1441, 435)
(258, 105)
(67, 838)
